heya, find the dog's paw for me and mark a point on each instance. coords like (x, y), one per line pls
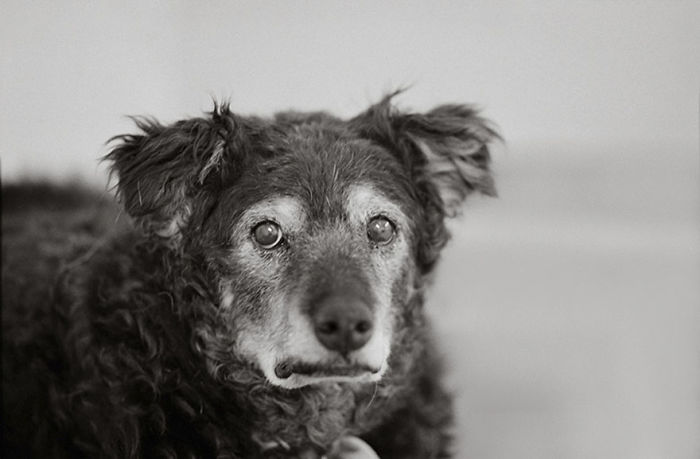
(351, 448)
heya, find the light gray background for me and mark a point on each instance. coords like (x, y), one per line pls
(569, 308)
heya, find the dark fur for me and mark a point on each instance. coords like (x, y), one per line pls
(106, 330)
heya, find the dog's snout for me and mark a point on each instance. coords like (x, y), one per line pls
(343, 322)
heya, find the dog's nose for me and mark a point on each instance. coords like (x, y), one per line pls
(342, 323)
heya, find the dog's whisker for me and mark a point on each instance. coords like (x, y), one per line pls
(374, 394)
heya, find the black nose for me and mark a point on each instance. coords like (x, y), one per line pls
(342, 322)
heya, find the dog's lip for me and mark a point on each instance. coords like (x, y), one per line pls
(285, 369)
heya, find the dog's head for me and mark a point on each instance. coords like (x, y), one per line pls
(316, 233)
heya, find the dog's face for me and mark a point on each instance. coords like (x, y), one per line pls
(319, 256)
(316, 232)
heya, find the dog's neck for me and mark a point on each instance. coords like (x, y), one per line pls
(314, 417)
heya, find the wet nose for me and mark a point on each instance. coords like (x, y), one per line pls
(342, 322)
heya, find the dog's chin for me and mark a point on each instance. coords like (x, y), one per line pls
(294, 375)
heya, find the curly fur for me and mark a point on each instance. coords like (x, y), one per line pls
(115, 347)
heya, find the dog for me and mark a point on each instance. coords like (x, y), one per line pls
(265, 298)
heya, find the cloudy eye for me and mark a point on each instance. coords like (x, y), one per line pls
(381, 230)
(267, 234)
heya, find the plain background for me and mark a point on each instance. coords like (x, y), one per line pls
(569, 308)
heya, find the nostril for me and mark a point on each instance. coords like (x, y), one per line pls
(363, 326)
(328, 327)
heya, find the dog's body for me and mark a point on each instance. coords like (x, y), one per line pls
(269, 302)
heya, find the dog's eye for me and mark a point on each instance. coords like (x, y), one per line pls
(381, 230)
(267, 234)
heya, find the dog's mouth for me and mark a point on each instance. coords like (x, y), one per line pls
(285, 369)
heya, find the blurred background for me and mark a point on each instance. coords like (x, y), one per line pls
(569, 307)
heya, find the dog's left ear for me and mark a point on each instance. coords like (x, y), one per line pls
(447, 146)
(168, 174)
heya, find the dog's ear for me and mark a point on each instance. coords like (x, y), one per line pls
(447, 146)
(166, 174)
(445, 151)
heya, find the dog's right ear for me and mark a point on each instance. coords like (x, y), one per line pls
(447, 147)
(168, 174)
(446, 153)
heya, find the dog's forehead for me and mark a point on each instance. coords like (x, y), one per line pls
(334, 167)
(322, 166)
(318, 167)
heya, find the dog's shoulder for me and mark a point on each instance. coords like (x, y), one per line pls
(45, 229)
